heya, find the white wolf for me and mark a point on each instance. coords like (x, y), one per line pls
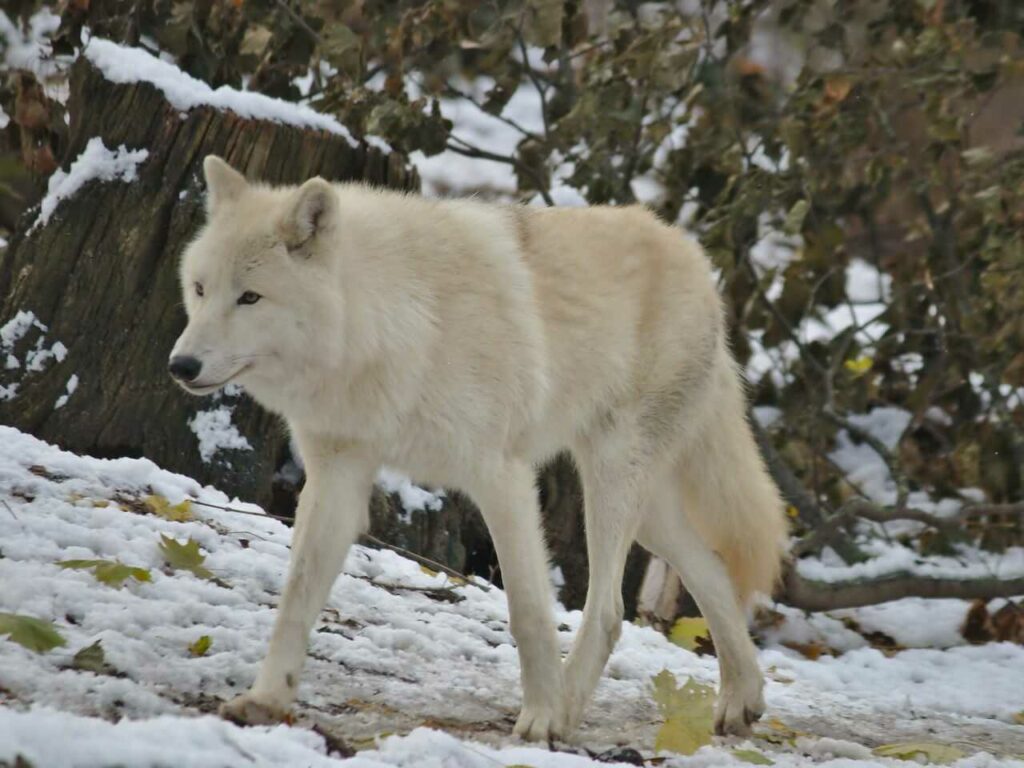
(466, 342)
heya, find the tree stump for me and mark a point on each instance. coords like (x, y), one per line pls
(101, 276)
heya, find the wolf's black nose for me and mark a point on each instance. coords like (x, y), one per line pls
(184, 367)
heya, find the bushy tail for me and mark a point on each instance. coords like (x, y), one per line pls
(728, 495)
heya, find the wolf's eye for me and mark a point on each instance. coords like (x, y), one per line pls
(249, 297)
(199, 289)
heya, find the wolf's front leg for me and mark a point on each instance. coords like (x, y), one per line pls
(332, 511)
(507, 496)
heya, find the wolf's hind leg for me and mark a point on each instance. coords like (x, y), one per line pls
(332, 511)
(668, 534)
(614, 475)
(507, 497)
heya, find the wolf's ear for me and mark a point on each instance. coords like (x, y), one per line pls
(223, 183)
(313, 210)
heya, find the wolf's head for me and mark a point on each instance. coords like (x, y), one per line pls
(254, 283)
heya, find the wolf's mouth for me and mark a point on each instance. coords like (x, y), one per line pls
(195, 388)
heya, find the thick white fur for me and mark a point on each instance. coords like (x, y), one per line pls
(466, 343)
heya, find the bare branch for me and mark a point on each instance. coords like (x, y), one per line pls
(810, 595)
(463, 147)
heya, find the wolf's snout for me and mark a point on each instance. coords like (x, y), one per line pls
(184, 367)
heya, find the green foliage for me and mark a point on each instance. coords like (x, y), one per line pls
(35, 634)
(184, 557)
(111, 572)
(688, 711)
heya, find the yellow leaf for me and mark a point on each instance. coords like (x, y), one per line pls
(161, 507)
(428, 571)
(931, 753)
(859, 366)
(792, 511)
(686, 630)
(688, 713)
(779, 733)
(200, 646)
(100, 503)
(1019, 718)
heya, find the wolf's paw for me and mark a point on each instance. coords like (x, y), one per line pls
(248, 710)
(541, 723)
(739, 706)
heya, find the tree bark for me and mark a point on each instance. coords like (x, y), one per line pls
(101, 275)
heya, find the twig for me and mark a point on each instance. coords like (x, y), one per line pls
(301, 22)
(866, 510)
(541, 90)
(242, 511)
(470, 150)
(422, 560)
(890, 458)
(8, 507)
(458, 92)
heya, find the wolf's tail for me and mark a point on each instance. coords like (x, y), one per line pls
(728, 495)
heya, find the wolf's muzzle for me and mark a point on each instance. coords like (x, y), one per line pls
(184, 367)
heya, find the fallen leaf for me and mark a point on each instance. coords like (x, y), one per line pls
(812, 650)
(752, 756)
(688, 713)
(200, 646)
(931, 753)
(35, 634)
(177, 513)
(111, 572)
(184, 557)
(1008, 624)
(1018, 717)
(687, 630)
(90, 659)
(977, 626)
(779, 732)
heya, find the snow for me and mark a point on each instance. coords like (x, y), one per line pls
(71, 386)
(887, 557)
(95, 163)
(122, 64)
(865, 283)
(388, 656)
(14, 330)
(215, 432)
(29, 49)
(412, 497)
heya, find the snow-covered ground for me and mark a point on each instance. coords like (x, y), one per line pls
(406, 666)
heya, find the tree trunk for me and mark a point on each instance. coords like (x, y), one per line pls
(101, 276)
